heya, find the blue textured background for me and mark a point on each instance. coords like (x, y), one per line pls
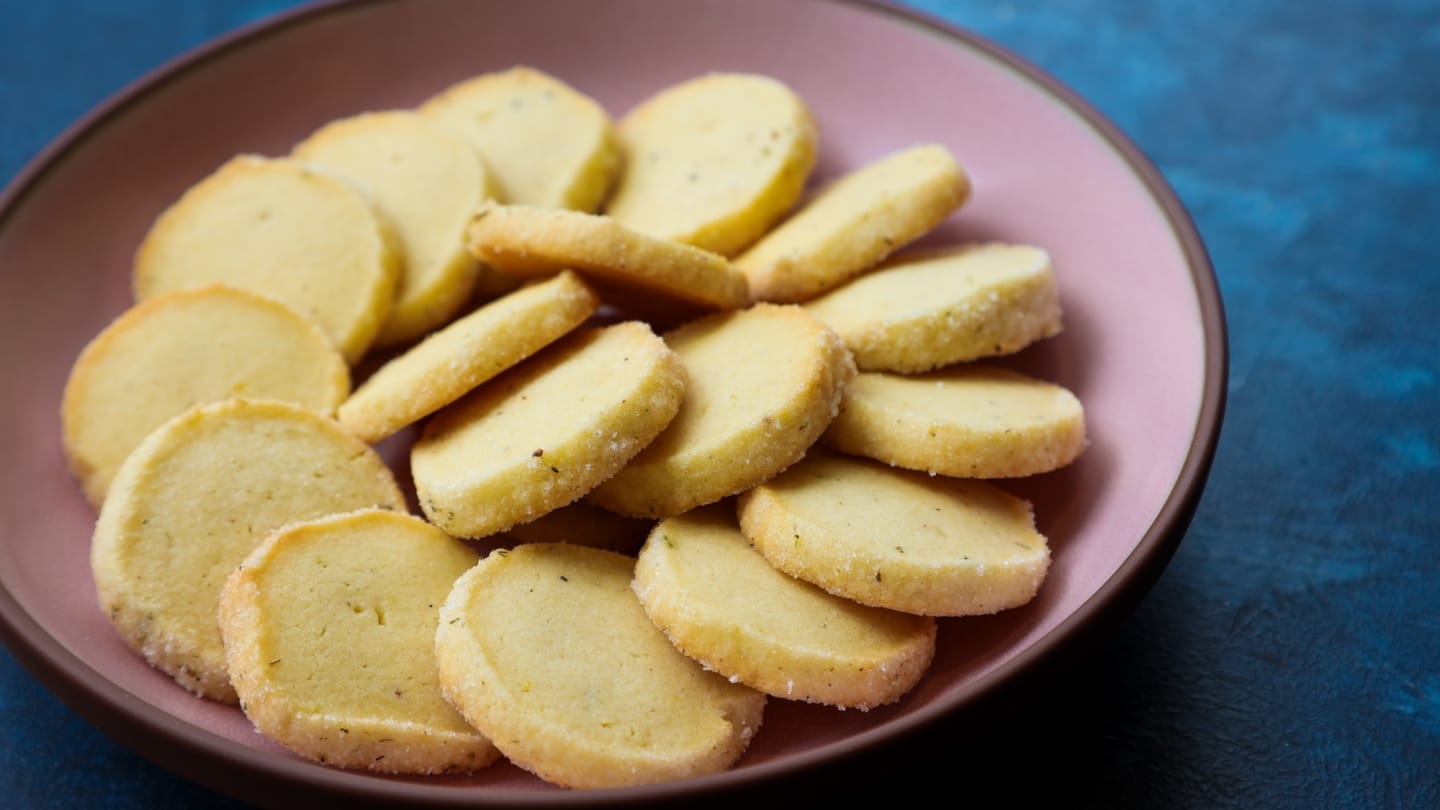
(1290, 654)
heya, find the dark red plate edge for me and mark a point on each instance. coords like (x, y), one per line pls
(225, 766)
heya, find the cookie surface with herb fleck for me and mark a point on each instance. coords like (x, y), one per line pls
(532, 242)
(426, 183)
(329, 630)
(928, 309)
(763, 385)
(546, 650)
(284, 230)
(898, 539)
(182, 349)
(966, 421)
(721, 603)
(854, 223)
(546, 143)
(715, 161)
(475, 348)
(548, 431)
(198, 494)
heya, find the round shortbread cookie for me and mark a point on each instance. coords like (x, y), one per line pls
(186, 348)
(763, 385)
(545, 433)
(971, 421)
(724, 605)
(449, 363)
(426, 183)
(329, 630)
(935, 308)
(715, 161)
(585, 524)
(286, 231)
(898, 539)
(854, 223)
(531, 242)
(546, 650)
(196, 496)
(545, 143)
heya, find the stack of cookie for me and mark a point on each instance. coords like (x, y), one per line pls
(684, 438)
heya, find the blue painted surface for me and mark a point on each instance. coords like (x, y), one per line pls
(1290, 654)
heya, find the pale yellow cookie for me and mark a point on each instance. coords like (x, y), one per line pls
(449, 363)
(532, 242)
(426, 183)
(182, 349)
(587, 525)
(545, 433)
(546, 651)
(972, 421)
(724, 605)
(898, 539)
(763, 385)
(935, 308)
(278, 228)
(715, 161)
(329, 630)
(546, 143)
(200, 493)
(854, 223)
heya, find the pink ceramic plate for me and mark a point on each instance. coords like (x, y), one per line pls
(1144, 345)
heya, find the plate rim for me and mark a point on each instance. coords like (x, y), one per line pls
(211, 760)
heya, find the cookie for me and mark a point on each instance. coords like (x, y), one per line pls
(449, 363)
(546, 143)
(546, 650)
(763, 385)
(329, 630)
(724, 605)
(898, 539)
(854, 223)
(181, 349)
(714, 162)
(533, 242)
(936, 308)
(285, 231)
(545, 433)
(426, 183)
(196, 496)
(970, 421)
